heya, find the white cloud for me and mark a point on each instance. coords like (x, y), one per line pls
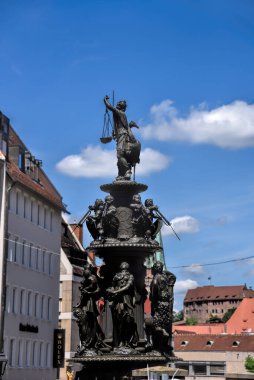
(195, 269)
(227, 126)
(95, 162)
(182, 286)
(151, 161)
(182, 225)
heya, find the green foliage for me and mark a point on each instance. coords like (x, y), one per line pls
(191, 321)
(228, 314)
(214, 319)
(177, 316)
(249, 363)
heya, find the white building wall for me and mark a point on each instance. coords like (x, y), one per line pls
(2, 220)
(33, 265)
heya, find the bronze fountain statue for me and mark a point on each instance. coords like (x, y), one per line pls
(124, 234)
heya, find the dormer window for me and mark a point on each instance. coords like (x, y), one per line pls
(32, 166)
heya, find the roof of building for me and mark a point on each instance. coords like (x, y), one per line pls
(243, 318)
(207, 342)
(210, 293)
(73, 248)
(241, 321)
(44, 187)
(215, 328)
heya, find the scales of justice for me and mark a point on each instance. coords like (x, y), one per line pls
(124, 231)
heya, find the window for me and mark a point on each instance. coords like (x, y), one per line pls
(30, 255)
(20, 161)
(10, 248)
(49, 308)
(29, 303)
(41, 355)
(42, 306)
(7, 299)
(37, 258)
(46, 263)
(22, 301)
(17, 202)
(15, 253)
(45, 218)
(217, 369)
(32, 211)
(14, 300)
(28, 353)
(20, 353)
(25, 207)
(34, 355)
(4, 146)
(36, 305)
(199, 369)
(51, 221)
(23, 253)
(12, 353)
(182, 365)
(12, 200)
(48, 355)
(51, 264)
(43, 261)
(38, 214)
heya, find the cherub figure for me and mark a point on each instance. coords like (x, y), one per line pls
(109, 221)
(152, 227)
(137, 215)
(94, 221)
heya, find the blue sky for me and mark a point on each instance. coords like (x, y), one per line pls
(186, 71)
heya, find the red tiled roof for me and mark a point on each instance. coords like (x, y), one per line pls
(45, 188)
(206, 342)
(210, 293)
(243, 318)
(241, 321)
(216, 328)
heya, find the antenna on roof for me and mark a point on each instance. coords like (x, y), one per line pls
(210, 279)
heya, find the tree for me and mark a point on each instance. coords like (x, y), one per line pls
(214, 319)
(228, 314)
(177, 316)
(249, 363)
(191, 321)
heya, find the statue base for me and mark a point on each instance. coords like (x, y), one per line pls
(116, 367)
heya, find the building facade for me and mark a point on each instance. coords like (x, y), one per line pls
(214, 357)
(73, 258)
(205, 302)
(32, 259)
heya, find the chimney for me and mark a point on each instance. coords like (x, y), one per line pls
(78, 231)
